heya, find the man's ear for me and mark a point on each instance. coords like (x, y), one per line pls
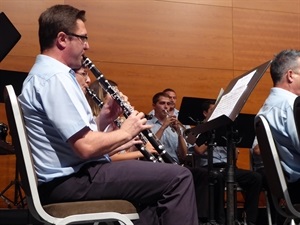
(289, 76)
(61, 40)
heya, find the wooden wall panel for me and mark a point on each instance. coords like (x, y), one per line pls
(258, 35)
(17, 63)
(289, 6)
(7, 176)
(227, 3)
(160, 33)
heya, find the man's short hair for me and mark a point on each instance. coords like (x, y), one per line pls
(158, 95)
(58, 18)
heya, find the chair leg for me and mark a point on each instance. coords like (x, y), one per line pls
(268, 208)
(288, 221)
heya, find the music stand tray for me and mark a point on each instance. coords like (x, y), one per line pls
(243, 124)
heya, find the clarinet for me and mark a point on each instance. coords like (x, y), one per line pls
(141, 147)
(127, 110)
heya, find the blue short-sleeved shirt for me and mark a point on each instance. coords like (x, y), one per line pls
(169, 138)
(54, 109)
(278, 110)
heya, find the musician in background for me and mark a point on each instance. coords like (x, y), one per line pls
(170, 133)
(249, 181)
(126, 154)
(173, 97)
(83, 78)
(71, 156)
(100, 93)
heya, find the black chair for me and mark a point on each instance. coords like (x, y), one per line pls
(81, 212)
(274, 172)
(297, 114)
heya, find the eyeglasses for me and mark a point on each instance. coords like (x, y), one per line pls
(84, 74)
(83, 38)
(297, 73)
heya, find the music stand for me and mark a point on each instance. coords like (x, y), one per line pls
(245, 134)
(190, 112)
(16, 79)
(243, 124)
(224, 114)
(8, 39)
(9, 36)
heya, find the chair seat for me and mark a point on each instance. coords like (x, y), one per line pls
(65, 209)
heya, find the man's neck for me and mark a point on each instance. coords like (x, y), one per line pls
(160, 118)
(172, 111)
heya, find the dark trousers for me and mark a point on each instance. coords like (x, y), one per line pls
(163, 193)
(200, 176)
(293, 189)
(249, 181)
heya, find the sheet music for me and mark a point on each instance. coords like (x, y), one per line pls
(228, 101)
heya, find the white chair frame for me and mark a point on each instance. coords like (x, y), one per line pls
(29, 181)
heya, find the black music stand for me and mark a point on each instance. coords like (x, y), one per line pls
(244, 134)
(190, 112)
(224, 114)
(243, 124)
(8, 39)
(16, 79)
(9, 36)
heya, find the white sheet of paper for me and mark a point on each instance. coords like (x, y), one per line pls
(229, 100)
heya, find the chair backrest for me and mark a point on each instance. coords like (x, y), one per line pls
(297, 114)
(29, 182)
(273, 169)
(22, 150)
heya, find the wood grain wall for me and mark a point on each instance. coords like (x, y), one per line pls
(193, 46)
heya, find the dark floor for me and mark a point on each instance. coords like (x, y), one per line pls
(16, 217)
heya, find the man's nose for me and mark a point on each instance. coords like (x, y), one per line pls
(88, 80)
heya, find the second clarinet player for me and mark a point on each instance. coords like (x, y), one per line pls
(127, 108)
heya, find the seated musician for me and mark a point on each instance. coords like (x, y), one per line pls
(173, 97)
(71, 155)
(168, 130)
(278, 110)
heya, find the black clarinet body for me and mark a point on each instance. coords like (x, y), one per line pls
(127, 110)
(141, 147)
